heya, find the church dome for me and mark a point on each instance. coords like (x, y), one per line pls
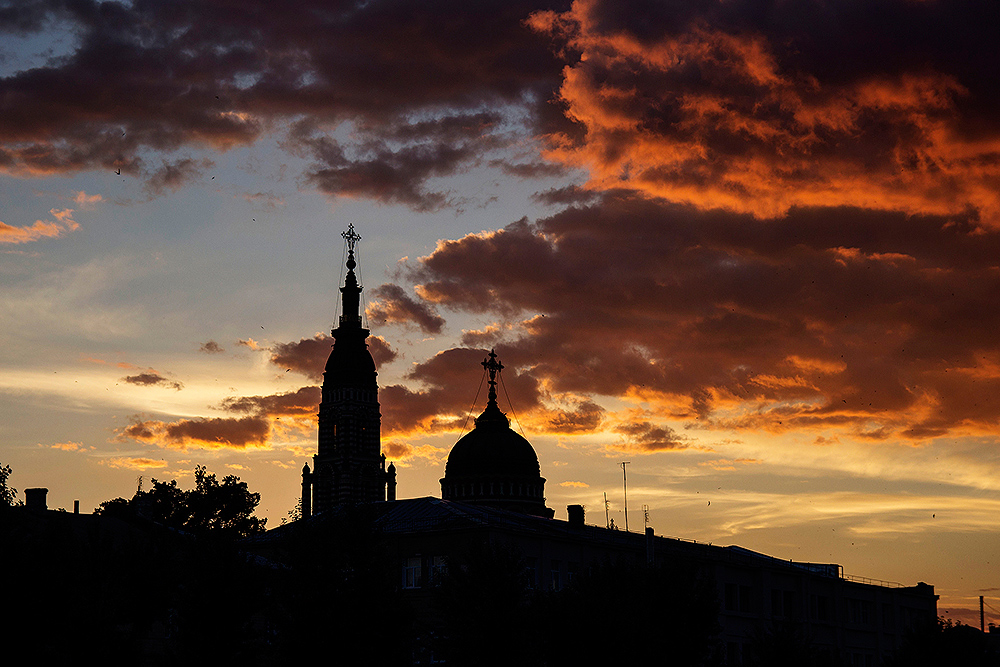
(492, 448)
(493, 465)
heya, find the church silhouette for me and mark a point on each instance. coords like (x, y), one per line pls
(493, 497)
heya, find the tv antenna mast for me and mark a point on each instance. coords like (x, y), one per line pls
(625, 489)
(645, 516)
(607, 514)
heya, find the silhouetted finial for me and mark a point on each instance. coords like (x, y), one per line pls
(351, 290)
(492, 366)
(352, 238)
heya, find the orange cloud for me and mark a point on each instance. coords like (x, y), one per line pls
(729, 464)
(68, 446)
(250, 343)
(207, 433)
(400, 451)
(647, 437)
(62, 224)
(586, 418)
(845, 322)
(133, 463)
(725, 115)
(85, 201)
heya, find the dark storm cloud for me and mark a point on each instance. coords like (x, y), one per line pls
(586, 418)
(565, 196)
(882, 324)
(211, 347)
(648, 437)
(386, 175)
(166, 76)
(743, 105)
(175, 175)
(151, 378)
(392, 304)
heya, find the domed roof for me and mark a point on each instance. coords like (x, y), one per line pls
(492, 465)
(350, 363)
(492, 450)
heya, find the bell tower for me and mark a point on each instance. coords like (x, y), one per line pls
(348, 467)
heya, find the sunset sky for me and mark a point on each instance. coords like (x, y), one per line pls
(753, 248)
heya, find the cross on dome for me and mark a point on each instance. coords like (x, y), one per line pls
(492, 366)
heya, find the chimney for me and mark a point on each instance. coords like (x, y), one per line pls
(575, 514)
(650, 557)
(34, 499)
(76, 507)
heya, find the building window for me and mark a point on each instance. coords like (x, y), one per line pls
(783, 604)
(571, 571)
(859, 611)
(819, 607)
(556, 572)
(732, 598)
(438, 568)
(739, 598)
(411, 572)
(531, 571)
(887, 617)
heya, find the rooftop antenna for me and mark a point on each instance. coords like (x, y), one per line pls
(139, 485)
(645, 516)
(625, 490)
(607, 514)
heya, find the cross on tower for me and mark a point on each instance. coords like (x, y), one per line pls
(493, 367)
(352, 237)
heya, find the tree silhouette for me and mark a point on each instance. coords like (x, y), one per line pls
(946, 643)
(8, 495)
(219, 509)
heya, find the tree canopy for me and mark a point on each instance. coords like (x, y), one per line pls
(8, 495)
(212, 508)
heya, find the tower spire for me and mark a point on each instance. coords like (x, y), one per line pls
(348, 467)
(351, 291)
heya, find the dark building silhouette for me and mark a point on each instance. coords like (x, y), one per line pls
(493, 465)
(493, 494)
(348, 467)
(843, 619)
